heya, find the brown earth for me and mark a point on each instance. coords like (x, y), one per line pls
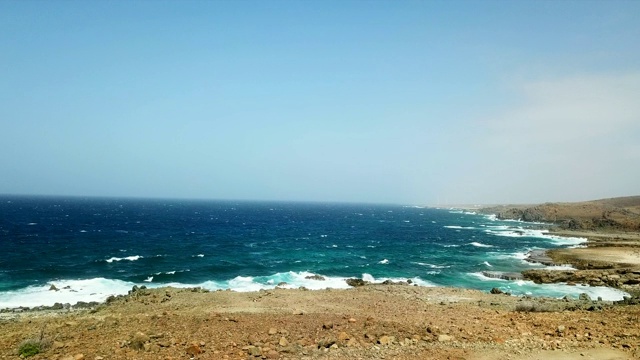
(368, 322)
(621, 213)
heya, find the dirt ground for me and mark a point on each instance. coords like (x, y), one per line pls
(370, 322)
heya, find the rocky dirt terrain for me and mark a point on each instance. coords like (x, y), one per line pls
(607, 214)
(366, 322)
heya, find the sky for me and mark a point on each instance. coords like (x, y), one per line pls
(406, 102)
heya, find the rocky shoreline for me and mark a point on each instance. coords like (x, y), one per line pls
(367, 322)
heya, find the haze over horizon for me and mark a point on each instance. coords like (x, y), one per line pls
(414, 102)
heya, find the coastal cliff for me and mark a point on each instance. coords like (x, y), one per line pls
(622, 214)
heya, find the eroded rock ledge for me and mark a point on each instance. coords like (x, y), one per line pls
(627, 279)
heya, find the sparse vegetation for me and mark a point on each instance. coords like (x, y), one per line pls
(31, 347)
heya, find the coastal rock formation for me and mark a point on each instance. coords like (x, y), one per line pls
(367, 322)
(619, 278)
(612, 214)
(503, 275)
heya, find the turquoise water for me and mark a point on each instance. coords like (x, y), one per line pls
(99, 247)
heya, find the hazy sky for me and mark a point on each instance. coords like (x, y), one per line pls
(415, 102)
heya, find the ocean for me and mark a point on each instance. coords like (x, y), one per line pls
(91, 248)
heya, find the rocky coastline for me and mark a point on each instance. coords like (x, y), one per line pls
(371, 321)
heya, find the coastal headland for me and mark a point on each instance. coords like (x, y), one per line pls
(611, 256)
(368, 321)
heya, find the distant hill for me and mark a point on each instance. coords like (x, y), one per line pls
(622, 213)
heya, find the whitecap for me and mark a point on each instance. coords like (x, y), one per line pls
(559, 290)
(432, 265)
(70, 291)
(129, 258)
(149, 279)
(477, 244)
(385, 261)
(487, 264)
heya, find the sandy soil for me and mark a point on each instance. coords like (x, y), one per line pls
(371, 322)
(617, 256)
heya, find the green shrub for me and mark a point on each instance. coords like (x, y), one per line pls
(30, 347)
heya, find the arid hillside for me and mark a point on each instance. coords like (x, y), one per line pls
(621, 213)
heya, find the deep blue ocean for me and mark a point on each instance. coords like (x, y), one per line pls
(91, 248)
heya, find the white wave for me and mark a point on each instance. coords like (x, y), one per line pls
(432, 265)
(199, 255)
(384, 261)
(31, 224)
(70, 291)
(459, 227)
(98, 289)
(487, 263)
(470, 212)
(536, 233)
(477, 244)
(526, 287)
(450, 246)
(170, 272)
(83, 231)
(559, 267)
(129, 258)
(492, 217)
(414, 280)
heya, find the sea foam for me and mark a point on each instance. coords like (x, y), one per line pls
(129, 258)
(70, 291)
(526, 287)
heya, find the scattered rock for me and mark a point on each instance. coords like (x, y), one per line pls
(53, 288)
(273, 331)
(254, 351)
(315, 277)
(496, 291)
(194, 349)
(326, 342)
(386, 340)
(356, 282)
(560, 329)
(138, 340)
(283, 342)
(445, 338)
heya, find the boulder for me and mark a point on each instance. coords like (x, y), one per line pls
(138, 340)
(315, 277)
(194, 349)
(386, 340)
(283, 342)
(355, 282)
